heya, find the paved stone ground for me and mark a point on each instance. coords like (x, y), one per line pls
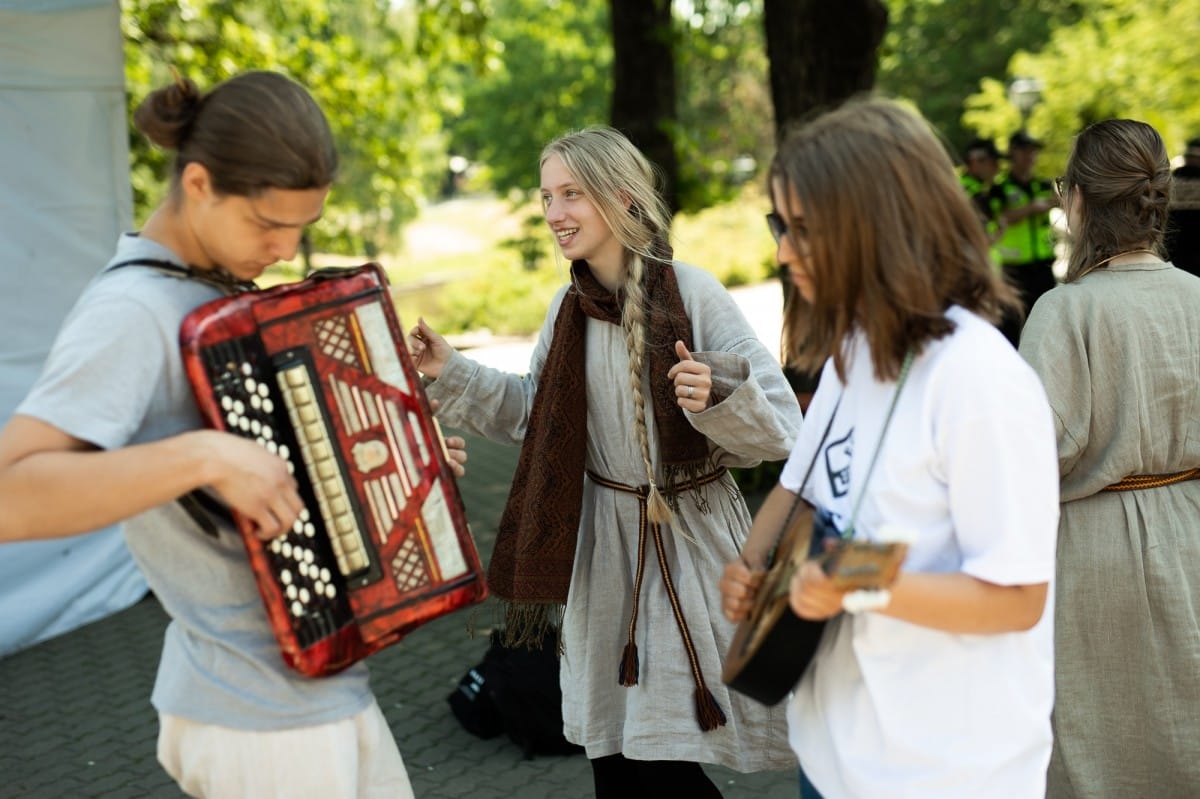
(76, 720)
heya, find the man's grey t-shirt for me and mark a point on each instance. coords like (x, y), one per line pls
(115, 378)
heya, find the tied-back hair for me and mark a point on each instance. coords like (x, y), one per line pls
(253, 132)
(1124, 178)
(893, 238)
(622, 184)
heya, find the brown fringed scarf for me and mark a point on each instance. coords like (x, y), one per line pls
(534, 554)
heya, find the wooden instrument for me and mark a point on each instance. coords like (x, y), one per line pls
(318, 372)
(773, 646)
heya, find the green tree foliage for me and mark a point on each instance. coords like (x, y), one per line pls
(373, 66)
(547, 70)
(1124, 58)
(724, 133)
(936, 52)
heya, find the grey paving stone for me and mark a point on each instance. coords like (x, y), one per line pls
(76, 720)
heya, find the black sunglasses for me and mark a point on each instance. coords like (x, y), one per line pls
(777, 225)
(780, 228)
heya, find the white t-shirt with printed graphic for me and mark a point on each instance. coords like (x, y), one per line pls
(969, 468)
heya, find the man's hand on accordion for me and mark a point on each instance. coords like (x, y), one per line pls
(455, 449)
(456, 454)
(251, 480)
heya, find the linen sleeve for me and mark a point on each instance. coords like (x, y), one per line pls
(1053, 343)
(489, 402)
(756, 416)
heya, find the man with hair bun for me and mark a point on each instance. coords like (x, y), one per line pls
(110, 432)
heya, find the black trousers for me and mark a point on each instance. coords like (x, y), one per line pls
(617, 777)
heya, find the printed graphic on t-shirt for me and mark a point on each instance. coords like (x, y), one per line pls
(837, 463)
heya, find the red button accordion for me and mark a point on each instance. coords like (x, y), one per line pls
(317, 372)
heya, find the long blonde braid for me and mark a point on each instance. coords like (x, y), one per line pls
(633, 319)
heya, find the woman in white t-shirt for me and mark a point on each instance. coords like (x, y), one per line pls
(926, 421)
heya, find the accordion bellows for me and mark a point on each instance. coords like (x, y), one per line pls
(318, 373)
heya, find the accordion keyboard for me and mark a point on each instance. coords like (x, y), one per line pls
(324, 470)
(314, 596)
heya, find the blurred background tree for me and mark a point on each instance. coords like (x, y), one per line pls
(1119, 58)
(936, 53)
(414, 86)
(547, 69)
(375, 67)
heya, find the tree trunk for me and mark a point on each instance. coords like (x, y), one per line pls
(820, 53)
(644, 92)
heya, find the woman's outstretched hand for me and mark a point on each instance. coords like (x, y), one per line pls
(428, 348)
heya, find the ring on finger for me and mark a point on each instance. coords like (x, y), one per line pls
(691, 392)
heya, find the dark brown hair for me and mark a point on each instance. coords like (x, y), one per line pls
(253, 132)
(893, 238)
(1124, 177)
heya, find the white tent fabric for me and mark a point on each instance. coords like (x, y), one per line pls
(64, 199)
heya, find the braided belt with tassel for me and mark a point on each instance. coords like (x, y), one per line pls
(708, 712)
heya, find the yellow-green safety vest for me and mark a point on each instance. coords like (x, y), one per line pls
(1032, 238)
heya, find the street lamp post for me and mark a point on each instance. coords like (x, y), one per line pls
(1025, 94)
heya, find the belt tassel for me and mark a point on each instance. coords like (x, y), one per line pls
(709, 714)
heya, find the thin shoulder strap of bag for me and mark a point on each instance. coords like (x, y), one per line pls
(904, 368)
(799, 500)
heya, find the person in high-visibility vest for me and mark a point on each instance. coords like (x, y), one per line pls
(1026, 245)
(981, 165)
(980, 170)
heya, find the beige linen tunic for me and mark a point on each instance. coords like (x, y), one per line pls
(758, 420)
(1119, 353)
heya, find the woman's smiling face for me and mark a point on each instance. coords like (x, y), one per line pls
(580, 230)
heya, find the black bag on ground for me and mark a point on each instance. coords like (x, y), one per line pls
(516, 690)
(472, 705)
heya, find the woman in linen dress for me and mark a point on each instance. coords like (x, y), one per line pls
(1118, 348)
(646, 383)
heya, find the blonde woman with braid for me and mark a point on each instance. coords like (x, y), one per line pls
(646, 384)
(1118, 348)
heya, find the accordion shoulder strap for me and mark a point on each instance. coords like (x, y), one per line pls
(203, 509)
(199, 505)
(219, 278)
